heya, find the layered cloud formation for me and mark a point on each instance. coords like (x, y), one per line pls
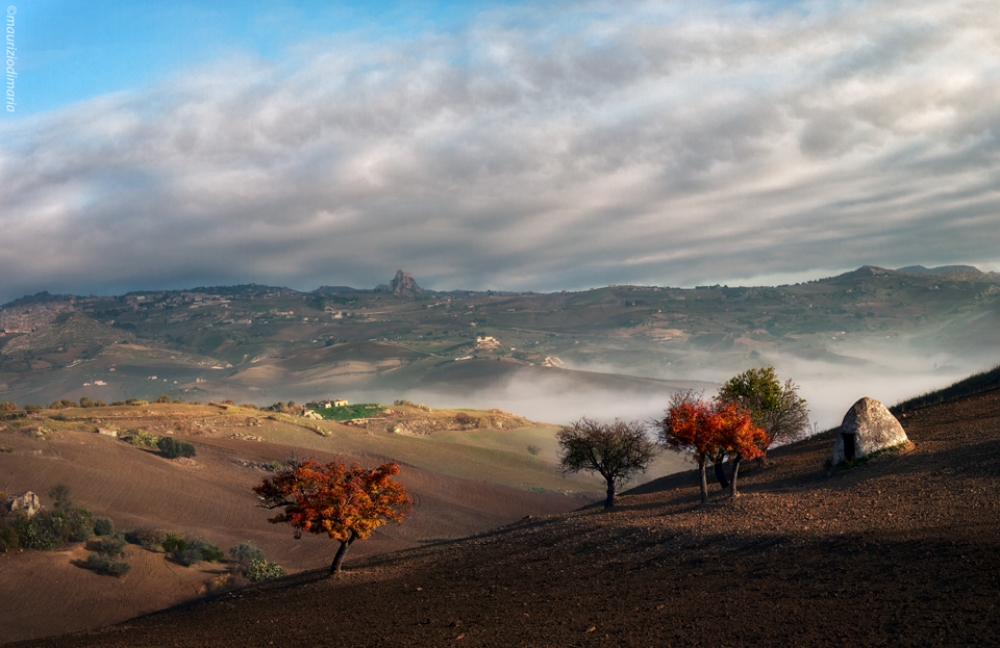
(549, 148)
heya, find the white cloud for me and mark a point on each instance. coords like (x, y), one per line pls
(541, 149)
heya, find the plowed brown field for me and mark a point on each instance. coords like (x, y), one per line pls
(901, 551)
(46, 593)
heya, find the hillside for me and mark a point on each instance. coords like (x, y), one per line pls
(899, 551)
(468, 471)
(262, 343)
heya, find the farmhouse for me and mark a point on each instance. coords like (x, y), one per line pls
(867, 428)
(339, 402)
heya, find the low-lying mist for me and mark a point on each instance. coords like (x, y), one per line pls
(889, 370)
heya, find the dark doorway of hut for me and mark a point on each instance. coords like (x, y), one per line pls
(849, 452)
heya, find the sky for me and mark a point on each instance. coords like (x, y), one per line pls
(494, 145)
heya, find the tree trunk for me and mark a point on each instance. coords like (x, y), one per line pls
(720, 474)
(610, 500)
(339, 558)
(736, 471)
(704, 481)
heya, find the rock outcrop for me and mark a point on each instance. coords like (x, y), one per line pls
(867, 428)
(403, 285)
(28, 503)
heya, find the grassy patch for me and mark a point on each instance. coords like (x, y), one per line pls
(348, 412)
(891, 451)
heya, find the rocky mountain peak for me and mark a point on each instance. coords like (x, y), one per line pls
(403, 285)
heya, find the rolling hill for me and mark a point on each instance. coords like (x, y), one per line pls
(899, 551)
(263, 344)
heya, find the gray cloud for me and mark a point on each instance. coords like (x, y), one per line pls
(535, 149)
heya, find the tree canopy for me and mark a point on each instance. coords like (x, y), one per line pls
(710, 429)
(774, 407)
(344, 502)
(617, 451)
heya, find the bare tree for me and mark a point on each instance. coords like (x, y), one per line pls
(617, 451)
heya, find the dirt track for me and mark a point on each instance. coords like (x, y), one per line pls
(904, 551)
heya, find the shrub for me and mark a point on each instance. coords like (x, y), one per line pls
(162, 399)
(245, 553)
(209, 552)
(86, 402)
(533, 450)
(135, 402)
(188, 551)
(262, 570)
(81, 529)
(173, 543)
(61, 404)
(31, 407)
(103, 526)
(172, 448)
(8, 407)
(112, 546)
(104, 565)
(148, 539)
(141, 439)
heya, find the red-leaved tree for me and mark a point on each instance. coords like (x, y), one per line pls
(710, 430)
(738, 437)
(691, 425)
(346, 503)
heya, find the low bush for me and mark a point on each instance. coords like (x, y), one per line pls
(245, 552)
(31, 407)
(105, 565)
(172, 448)
(148, 539)
(61, 404)
(141, 439)
(262, 570)
(112, 546)
(162, 399)
(187, 551)
(103, 526)
(135, 402)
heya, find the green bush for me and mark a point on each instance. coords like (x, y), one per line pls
(104, 565)
(103, 526)
(174, 543)
(245, 553)
(209, 552)
(140, 439)
(172, 448)
(162, 399)
(262, 570)
(187, 551)
(148, 539)
(61, 404)
(112, 546)
(31, 407)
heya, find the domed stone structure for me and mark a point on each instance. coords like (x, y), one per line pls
(867, 428)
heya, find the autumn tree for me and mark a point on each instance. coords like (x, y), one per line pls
(711, 431)
(690, 424)
(737, 437)
(617, 451)
(774, 407)
(344, 502)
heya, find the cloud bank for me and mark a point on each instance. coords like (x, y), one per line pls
(558, 147)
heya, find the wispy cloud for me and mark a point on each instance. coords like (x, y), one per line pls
(539, 148)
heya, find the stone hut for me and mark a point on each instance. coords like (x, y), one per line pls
(867, 428)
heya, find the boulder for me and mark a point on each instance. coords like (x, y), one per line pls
(867, 428)
(28, 503)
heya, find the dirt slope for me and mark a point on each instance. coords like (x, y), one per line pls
(46, 593)
(903, 551)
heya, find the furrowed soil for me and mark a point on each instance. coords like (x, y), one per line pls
(901, 551)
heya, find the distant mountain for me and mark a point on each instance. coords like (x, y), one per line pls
(256, 342)
(940, 270)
